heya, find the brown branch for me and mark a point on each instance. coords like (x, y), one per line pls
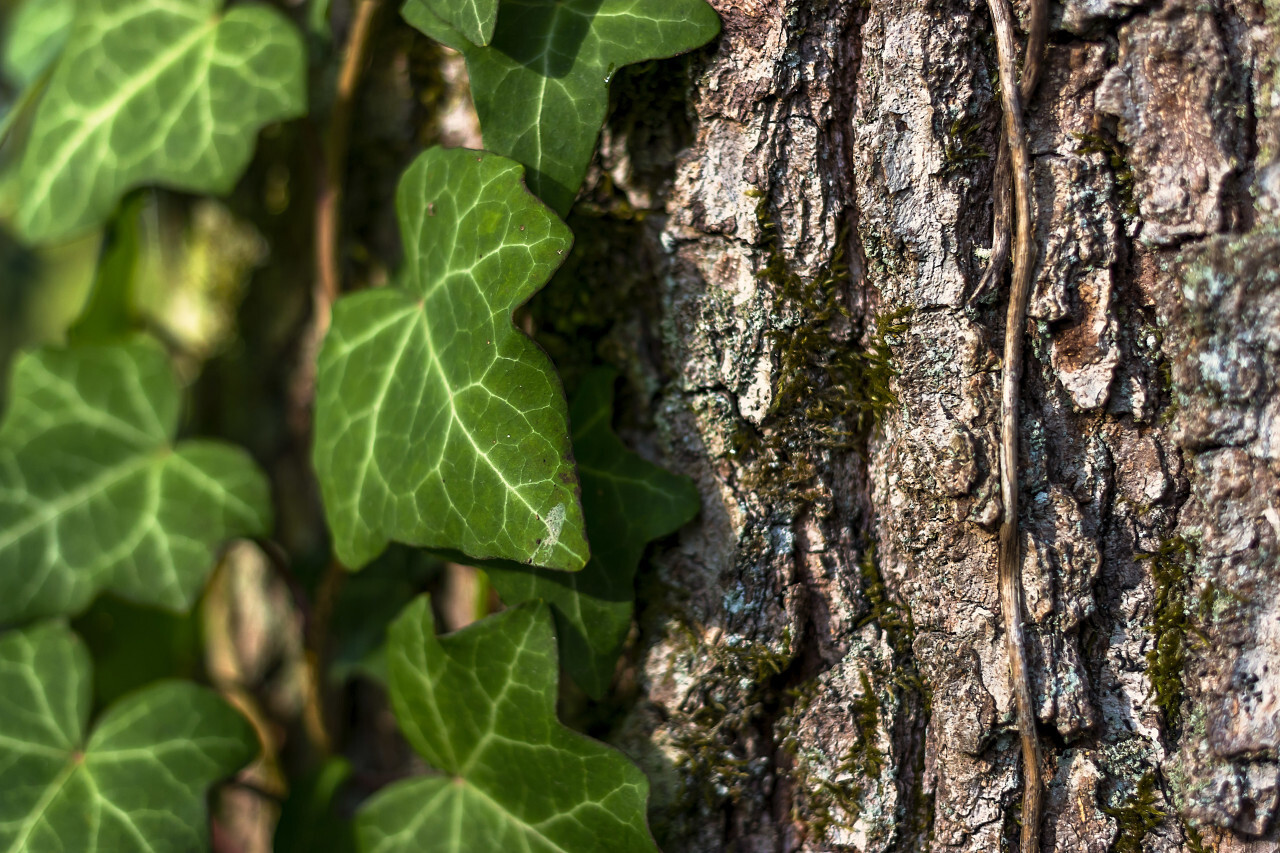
(337, 142)
(328, 285)
(1002, 189)
(1010, 559)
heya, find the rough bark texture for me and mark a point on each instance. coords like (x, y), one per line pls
(820, 664)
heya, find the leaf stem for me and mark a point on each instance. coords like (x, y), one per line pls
(337, 142)
(328, 285)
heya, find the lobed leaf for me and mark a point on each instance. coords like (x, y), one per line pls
(36, 35)
(479, 705)
(145, 92)
(95, 495)
(438, 424)
(137, 783)
(541, 87)
(628, 502)
(473, 20)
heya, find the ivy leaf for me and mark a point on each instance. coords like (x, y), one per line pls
(472, 20)
(137, 783)
(628, 502)
(541, 87)
(437, 423)
(479, 706)
(309, 819)
(108, 313)
(36, 35)
(145, 92)
(94, 495)
(370, 601)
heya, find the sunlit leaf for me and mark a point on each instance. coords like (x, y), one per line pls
(136, 783)
(438, 424)
(473, 20)
(541, 87)
(95, 494)
(627, 502)
(479, 706)
(146, 92)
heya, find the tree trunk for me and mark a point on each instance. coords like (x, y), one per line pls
(820, 663)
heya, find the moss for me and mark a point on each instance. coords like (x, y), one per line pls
(865, 756)
(836, 797)
(1194, 842)
(1166, 661)
(831, 393)
(1136, 817)
(960, 145)
(750, 673)
(1109, 147)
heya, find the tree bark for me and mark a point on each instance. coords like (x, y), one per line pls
(821, 662)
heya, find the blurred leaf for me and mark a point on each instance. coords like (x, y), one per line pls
(36, 35)
(628, 502)
(133, 646)
(309, 821)
(95, 495)
(145, 92)
(479, 706)
(108, 315)
(136, 783)
(541, 87)
(370, 600)
(438, 424)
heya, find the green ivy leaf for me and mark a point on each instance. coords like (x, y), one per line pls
(36, 35)
(479, 706)
(472, 20)
(541, 88)
(94, 495)
(137, 783)
(309, 820)
(437, 423)
(370, 601)
(133, 646)
(108, 313)
(628, 502)
(145, 92)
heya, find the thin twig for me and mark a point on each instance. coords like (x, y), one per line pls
(314, 718)
(328, 285)
(1010, 560)
(337, 141)
(1002, 183)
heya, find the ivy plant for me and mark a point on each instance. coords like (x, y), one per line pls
(479, 706)
(396, 424)
(437, 422)
(135, 780)
(95, 493)
(541, 86)
(152, 93)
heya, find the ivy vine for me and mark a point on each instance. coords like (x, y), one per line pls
(439, 427)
